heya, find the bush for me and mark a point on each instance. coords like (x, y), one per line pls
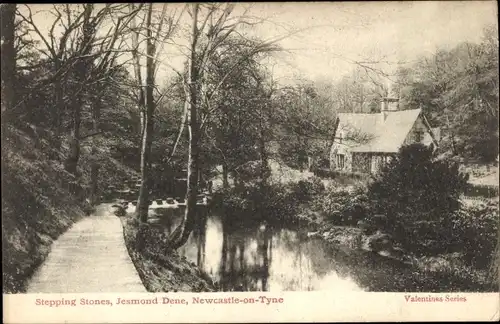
(418, 197)
(273, 202)
(477, 230)
(335, 174)
(305, 190)
(235, 198)
(343, 207)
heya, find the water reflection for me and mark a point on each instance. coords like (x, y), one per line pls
(258, 256)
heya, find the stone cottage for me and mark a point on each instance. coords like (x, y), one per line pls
(364, 142)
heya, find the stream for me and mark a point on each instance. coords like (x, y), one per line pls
(260, 257)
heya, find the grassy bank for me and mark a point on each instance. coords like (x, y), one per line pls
(36, 206)
(161, 269)
(37, 200)
(450, 271)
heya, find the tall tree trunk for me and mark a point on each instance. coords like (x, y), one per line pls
(147, 140)
(181, 234)
(71, 163)
(147, 128)
(94, 168)
(225, 176)
(8, 55)
(82, 67)
(264, 163)
(57, 114)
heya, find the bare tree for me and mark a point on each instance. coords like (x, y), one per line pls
(56, 51)
(181, 234)
(211, 25)
(80, 50)
(81, 68)
(103, 73)
(8, 55)
(147, 103)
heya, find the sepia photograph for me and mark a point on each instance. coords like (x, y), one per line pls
(219, 149)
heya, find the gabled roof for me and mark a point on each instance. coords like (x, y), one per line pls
(378, 134)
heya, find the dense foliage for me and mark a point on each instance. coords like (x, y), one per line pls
(414, 179)
(476, 232)
(415, 204)
(343, 207)
(276, 202)
(415, 197)
(458, 91)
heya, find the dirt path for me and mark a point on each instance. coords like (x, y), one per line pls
(90, 257)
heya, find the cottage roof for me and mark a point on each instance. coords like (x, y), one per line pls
(376, 132)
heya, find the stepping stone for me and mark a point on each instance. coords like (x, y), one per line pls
(203, 201)
(159, 202)
(170, 201)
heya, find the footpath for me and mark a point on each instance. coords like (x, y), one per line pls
(91, 257)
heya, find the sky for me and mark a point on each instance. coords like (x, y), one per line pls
(330, 35)
(394, 31)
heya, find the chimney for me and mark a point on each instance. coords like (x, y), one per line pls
(389, 103)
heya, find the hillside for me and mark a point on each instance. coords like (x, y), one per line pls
(37, 205)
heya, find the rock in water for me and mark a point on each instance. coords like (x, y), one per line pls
(379, 242)
(120, 210)
(312, 234)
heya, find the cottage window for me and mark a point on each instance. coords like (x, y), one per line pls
(418, 135)
(340, 161)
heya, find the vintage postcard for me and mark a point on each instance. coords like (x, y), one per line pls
(250, 162)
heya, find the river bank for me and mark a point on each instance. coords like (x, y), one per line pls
(224, 255)
(336, 215)
(444, 272)
(161, 269)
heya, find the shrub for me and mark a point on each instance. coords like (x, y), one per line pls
(274, 202)
(343, 207)
(305, 190)
(334, 174)
(236, 198)
(418, 196)
(477, 230)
